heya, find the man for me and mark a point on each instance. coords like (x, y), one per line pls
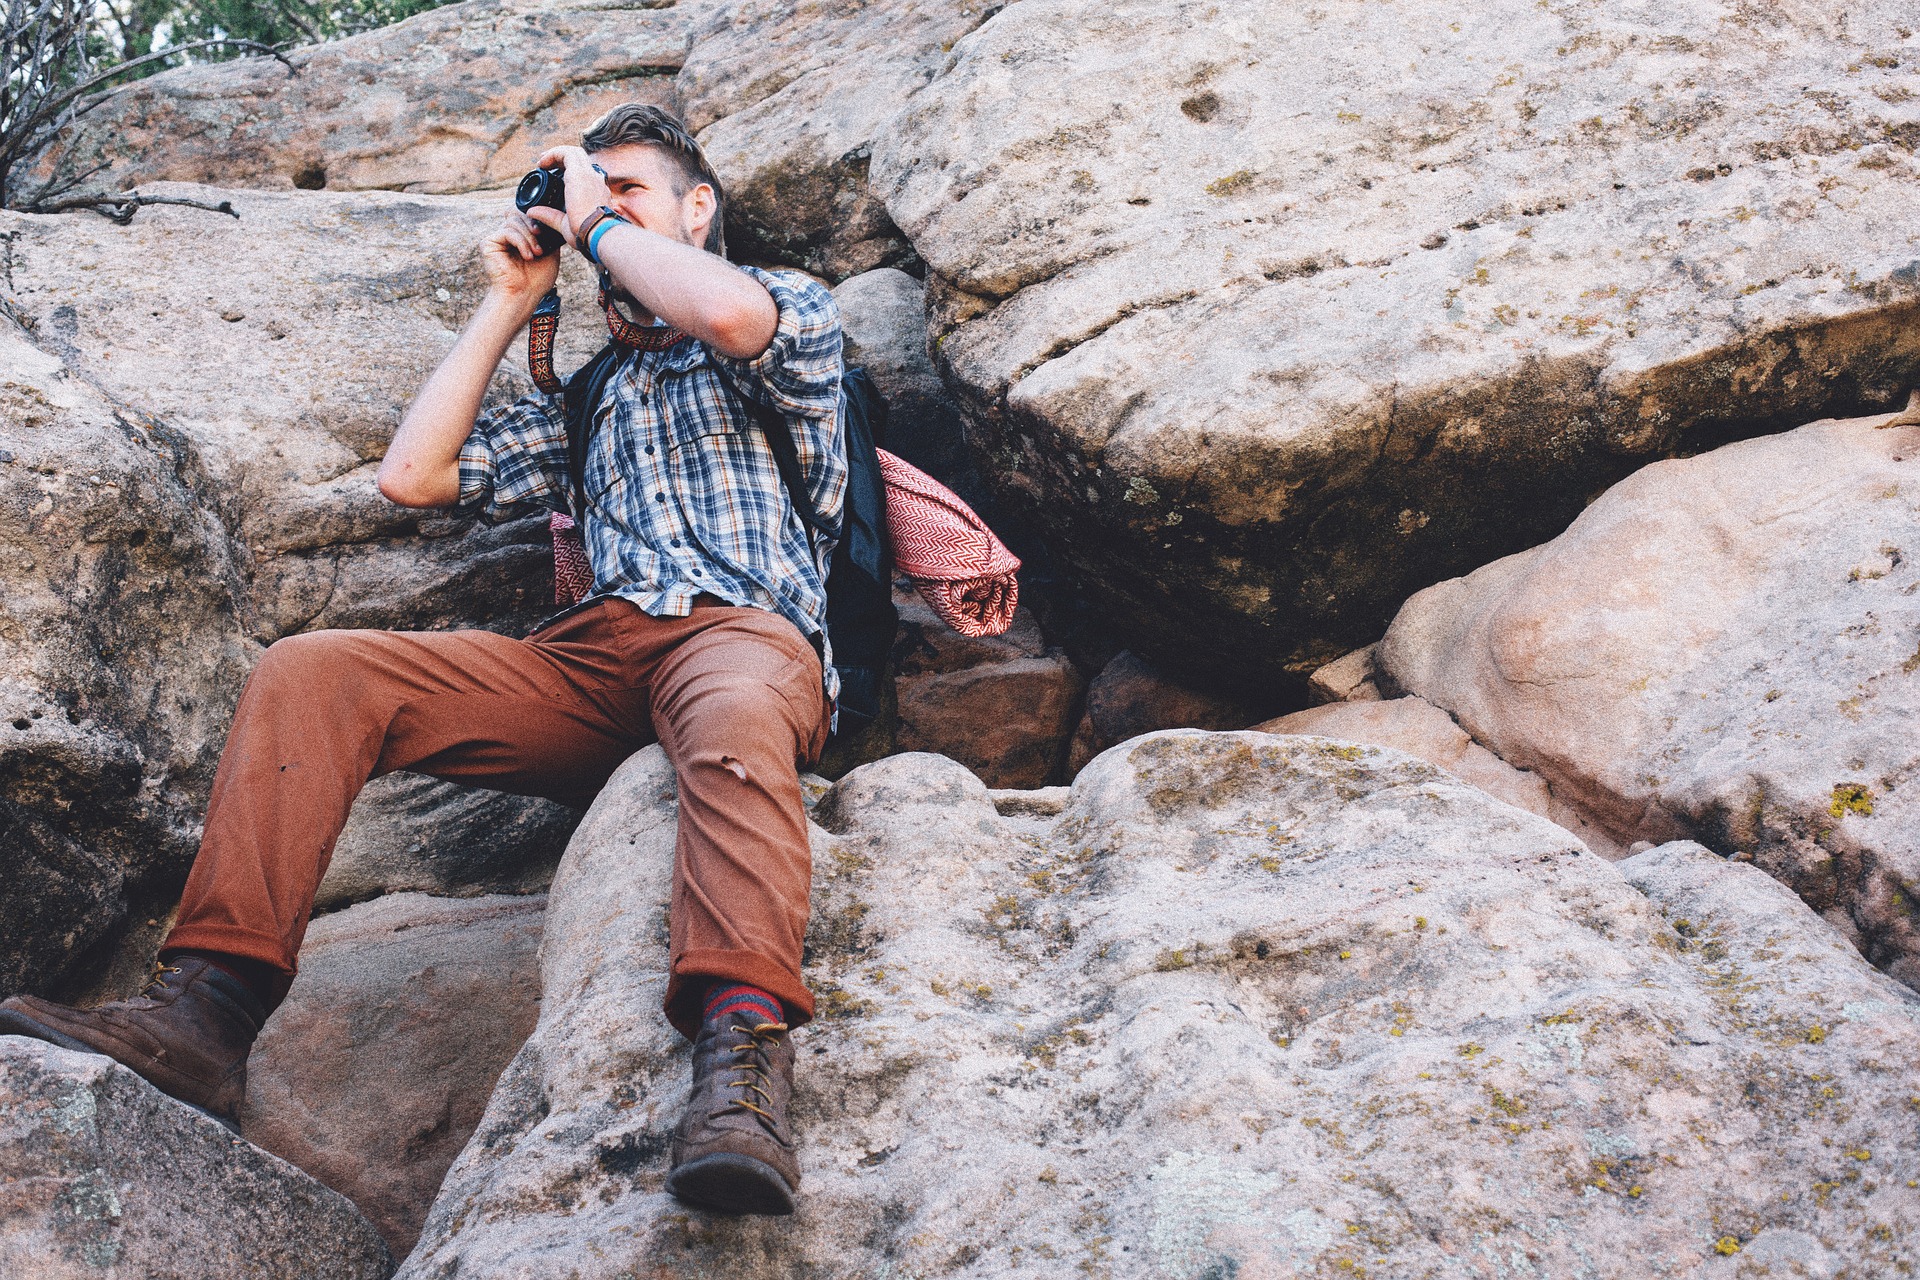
(704, 631)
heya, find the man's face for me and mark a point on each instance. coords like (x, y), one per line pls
(644, 181)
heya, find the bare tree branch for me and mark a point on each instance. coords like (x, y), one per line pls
(123, 206)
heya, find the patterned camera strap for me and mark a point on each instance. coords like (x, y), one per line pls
(546, 323)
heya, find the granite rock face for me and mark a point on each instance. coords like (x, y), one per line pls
(1425, 732)
(105, 1176)
(121, 652)
(1721, 648)
(1250, 1005)
(456, 99)
(1003, 706)
(413, 834)
(1548, 244)
(194, 413)
(374, 1072)
(789, 101)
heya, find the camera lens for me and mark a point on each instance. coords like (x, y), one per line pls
(535, 189)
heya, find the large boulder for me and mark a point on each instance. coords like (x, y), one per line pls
(194, 410)
(1274, 315)
(1004, 706)
(1721, 648)
(411, 833)
(105, 1176)
(456, 99)
(121, 653)
(375, 1071)
(1251, 1006)
(790, 99)
(1131, 696)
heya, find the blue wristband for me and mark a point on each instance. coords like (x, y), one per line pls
(593, 240)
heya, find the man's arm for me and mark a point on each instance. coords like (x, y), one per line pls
(422, 466)
(695, 291)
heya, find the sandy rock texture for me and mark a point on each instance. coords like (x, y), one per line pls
(410, 833)
(375, 1071)
(455, 99)
(1722, 648)
(1130, 696)
(1424, 731)
(1003, 706)
(106, 1177)
(789, 100)
(194, 410)
(1250, 1005)
(121, 652)
(1274, 315)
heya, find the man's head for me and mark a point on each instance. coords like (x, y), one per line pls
(659, 177)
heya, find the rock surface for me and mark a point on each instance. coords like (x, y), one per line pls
(1131, 696)
(1425, 732)
(1722, 648)
(374, 1072)
(104, 1176)
(455, 99)
(1249, 1006)
(1274, 315)
(189, 458)
(121, 653)
(1003, 706)
(409, 833)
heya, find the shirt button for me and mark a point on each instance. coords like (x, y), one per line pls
(649, 449)
(676, 542)
(659, 497)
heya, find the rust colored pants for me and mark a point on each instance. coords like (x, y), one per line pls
(732, 694)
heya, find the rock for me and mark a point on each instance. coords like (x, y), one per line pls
(375, 1071)
(1721, 648)
(1004, 706)
(106, 1176)
(455, 99)
(1348, 679)
(1426, 733)
(286, 372)
(883, 318)
(413, 833)
(1131, 696)
(121, 653)
(789, 100)
(1245, 993)
(193, 450)
(1268, 337)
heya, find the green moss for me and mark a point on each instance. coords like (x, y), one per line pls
(1232, 184)
(1851, 797)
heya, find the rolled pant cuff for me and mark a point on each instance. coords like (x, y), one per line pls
(694, 971)
(233, 940)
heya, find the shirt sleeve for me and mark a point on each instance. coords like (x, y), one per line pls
(515, 460)
(799, 375)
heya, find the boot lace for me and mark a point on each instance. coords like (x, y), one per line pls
(160, 970)
(751, 1065)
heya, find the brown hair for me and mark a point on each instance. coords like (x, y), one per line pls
(634, 122)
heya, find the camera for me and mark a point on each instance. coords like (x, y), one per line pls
(543, 187)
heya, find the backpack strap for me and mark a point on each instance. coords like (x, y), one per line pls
(786, 456)
(581, 399)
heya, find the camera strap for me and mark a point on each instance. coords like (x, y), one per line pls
(546, 324)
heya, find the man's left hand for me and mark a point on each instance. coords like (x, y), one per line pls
(586, 190)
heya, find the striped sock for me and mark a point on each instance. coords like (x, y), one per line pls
(744, 1001)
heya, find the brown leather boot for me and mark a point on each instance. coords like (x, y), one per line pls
(731, 1151)
(188, 1031)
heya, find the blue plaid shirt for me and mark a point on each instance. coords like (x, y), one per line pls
(682, 493)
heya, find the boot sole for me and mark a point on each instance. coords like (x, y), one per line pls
(15, 1023)
(729, 1183)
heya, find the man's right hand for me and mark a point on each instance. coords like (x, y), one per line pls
(519, 271)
